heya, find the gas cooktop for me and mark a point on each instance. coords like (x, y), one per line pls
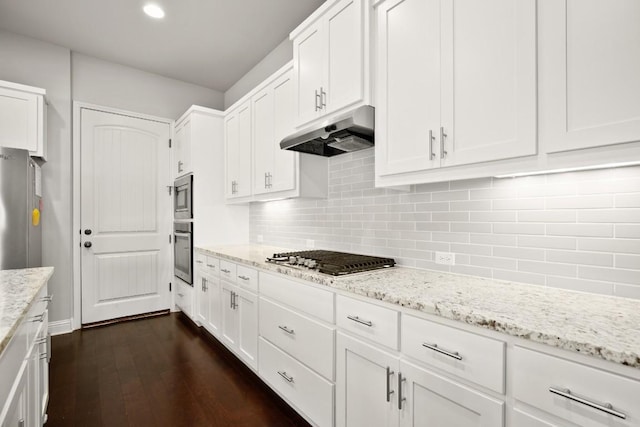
(330, 262)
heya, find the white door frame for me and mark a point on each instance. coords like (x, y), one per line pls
(76, 319)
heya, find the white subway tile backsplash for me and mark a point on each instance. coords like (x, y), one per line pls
(578, 231)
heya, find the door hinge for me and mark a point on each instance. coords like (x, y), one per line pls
(169, 286)
(170, 187)
(169, 142)
(169, 238)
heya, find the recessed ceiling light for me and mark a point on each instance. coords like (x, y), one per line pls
(154, 11)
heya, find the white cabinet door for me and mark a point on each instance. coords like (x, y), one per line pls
(408, 85)
(523, 419)
(18, 119)
(229, 316)
(247, 312)
(590, 63)
(17, 405)
(309, 53)
(488, 84)
(214, 301)
(264, 139)
(238, 152)
(284, 161)
(202, 298)
(345, 55)
(182, 148)
(431, 400)
(366, 385)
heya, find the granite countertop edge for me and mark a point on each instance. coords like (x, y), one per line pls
(620, 344)
(21, 286)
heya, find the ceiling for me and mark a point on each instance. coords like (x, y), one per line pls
(211, 43)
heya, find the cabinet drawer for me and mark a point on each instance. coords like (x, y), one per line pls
(522, 419)
(470, 356)
(313, 301)
(307, 340)
(184, 297)
(212, 266)
(367, 320)
(247, 277)
(308, 391)
(537, 373)
(228, 270)
(201, 260)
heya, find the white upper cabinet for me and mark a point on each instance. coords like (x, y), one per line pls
(182, 145)
(448, 94)
(329, 53)
(589, 73)
(273, 168)
(237, 126)
(23, 118)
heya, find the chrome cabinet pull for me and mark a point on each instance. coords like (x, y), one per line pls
(47, 298)
(317, 104)
(180, 166)
(432, 155)
(284, 375)
(198, 261)
(323, 98)
(359, 320)
(604, 407)
(400, 398)
(210, 265)
(389, 391)
(287, 330)
(37, 318)
(180, 295)
(231, 300)
(265, 180)
(435, 347)
(243, 277)
(224, 270)
(443, 135)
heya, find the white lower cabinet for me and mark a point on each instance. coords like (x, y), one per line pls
(309, 392)
(240, 322)
(24, 369)
(184, 298)
(574, 392)
(428, 399)
(378, 388)
(209, 302)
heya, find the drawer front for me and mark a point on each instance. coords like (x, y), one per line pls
(36, 315)
(184, 298)
(307, 299)
(306, 340)
(308, 391)
(247, 278)
(367, 320)
(470, 356)
(228, 270)
(522, 419)
(537, 373)
(200, 260)
(212, 266)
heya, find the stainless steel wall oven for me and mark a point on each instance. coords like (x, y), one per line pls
(183, 251)
(183, 198)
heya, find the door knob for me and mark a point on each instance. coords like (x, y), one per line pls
(87, 244)
(87, 232)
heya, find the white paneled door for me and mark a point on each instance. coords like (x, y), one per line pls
(125, 215)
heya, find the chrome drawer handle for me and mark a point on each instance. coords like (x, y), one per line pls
(198, 261)
(243, 277)
(287, 330)
(435, 347)
(42, 340)
(224, 270)
(359, 320)
(389, 391)
(44, 356)
(47, 298)
(211, 266)
(180, 295)
(284, 375)
(38, 318)
(400, 398)
(604, 407)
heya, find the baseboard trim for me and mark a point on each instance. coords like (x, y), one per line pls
(60, 327)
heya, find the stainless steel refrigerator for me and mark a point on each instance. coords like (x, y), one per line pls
(20, 210)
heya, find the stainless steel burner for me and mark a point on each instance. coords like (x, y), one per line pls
(330, 262)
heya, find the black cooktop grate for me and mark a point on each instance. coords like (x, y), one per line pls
(338, 263)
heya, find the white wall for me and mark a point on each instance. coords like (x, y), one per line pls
(271, 63)
(113, 85)
(31, 62)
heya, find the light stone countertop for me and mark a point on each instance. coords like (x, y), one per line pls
(18, 289)
(598, 325)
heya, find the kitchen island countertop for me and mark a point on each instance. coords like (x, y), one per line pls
(598, 325)
(18, 289)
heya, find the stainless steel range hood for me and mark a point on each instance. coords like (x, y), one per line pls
(350, 132)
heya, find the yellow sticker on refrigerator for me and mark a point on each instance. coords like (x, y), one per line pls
(35, 217)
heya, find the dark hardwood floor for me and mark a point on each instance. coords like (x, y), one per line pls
(159, 371)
